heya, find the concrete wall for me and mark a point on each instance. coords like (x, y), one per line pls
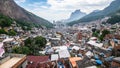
(17, 55)
(4, 60)
(23, 65)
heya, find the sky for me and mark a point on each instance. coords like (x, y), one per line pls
(61, 9)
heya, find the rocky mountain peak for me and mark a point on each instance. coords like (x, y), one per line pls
(11, 9)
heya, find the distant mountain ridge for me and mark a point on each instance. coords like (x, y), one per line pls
(115, 18)
(113, 7)
(77, 14)
(11, 9)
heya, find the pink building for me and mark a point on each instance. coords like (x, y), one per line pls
(1, 49)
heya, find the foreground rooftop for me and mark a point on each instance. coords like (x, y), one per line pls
(12, 61)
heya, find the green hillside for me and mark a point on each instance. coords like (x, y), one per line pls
(115, 18)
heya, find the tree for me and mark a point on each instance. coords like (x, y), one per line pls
(35, 44)
(25, 25)
(40, 41)
(101, 37)
(28, 41)
(2, 31)
(93, 30)
(104, 33)
(95, 34)
(12, 33)
(21, 50)
(5, 21)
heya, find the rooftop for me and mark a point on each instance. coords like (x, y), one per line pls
(8, 39)
(54, 57)
(73, 60)
(117, 59)
(84, 63)
(12, 60)
(10, 63)
(35, 60)
(64, 54)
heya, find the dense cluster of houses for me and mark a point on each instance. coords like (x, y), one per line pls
(72, 47)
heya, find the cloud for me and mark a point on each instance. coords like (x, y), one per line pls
(84, 5)
(39, 5)
(20, 1)
(61, 9)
